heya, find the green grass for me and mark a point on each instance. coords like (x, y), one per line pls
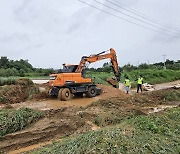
(140, 134)
(153, 76)
(99, 77)
(7, 81)
(150, 76)
(173, 95)
(12, 80)
(14, 120)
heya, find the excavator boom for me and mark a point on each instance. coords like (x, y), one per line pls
(101, 56)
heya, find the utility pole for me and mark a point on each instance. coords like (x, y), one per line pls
(138, 63)
(148, 62)
(164, 56)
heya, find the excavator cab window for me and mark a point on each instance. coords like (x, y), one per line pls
(68, 69)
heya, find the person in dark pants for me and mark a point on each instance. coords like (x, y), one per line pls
(140, 82)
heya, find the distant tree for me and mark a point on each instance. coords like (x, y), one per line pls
(4, 62)
(159, 64)
(129, 67)
(144, 66)
(169, 62)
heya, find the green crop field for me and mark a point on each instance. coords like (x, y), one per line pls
(12, 120)
(141, 134)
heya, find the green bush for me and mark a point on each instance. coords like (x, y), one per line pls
(15, 120)
(173, 95)
(7, 81)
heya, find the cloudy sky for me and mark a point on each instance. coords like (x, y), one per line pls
(51, 32)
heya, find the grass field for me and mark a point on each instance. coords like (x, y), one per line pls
(141, 134)
(154, 76)
(12, 120)
(12, 80)
(150, 76)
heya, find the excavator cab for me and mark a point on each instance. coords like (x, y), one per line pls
(68, 68)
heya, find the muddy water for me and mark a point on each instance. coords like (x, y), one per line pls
(159, 108)
(33, 147)
(40, 81)
(56, 104)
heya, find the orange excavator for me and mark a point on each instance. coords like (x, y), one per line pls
(71, 79)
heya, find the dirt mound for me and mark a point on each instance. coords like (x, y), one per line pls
(23, 89)
(24, 82)
(109, 92)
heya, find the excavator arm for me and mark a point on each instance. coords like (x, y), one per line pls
(101, 56)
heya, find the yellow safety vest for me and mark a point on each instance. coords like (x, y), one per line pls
(140, 80)
(127, 82)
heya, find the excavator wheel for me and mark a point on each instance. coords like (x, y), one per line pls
(66, 94)
(60, 94)
(92, 91)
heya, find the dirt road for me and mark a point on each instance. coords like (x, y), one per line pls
(156, 86)
(166, 85)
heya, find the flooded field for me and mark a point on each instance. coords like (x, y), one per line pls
(56, 104)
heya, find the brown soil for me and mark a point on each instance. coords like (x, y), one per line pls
(109, 92)
(43, 102)
(11, 94)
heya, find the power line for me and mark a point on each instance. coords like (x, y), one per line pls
(135, 17)
(144, 16)
(125, 19)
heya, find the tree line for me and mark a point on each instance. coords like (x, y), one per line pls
(169, 64)
(20, 68)
(24, 68)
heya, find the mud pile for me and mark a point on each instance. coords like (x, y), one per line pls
(22, 90)
(109, 92)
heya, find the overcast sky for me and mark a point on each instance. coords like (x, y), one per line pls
(51, 32)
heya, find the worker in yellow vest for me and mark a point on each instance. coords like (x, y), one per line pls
(140, 82)
(127, 84)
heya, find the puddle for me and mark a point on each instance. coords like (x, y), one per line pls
(40, 81)
(93, 126)
(56, 104)
(159, 108)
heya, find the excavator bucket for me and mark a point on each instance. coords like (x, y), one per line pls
(112, 82)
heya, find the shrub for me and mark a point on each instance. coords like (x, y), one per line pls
(15, 120)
